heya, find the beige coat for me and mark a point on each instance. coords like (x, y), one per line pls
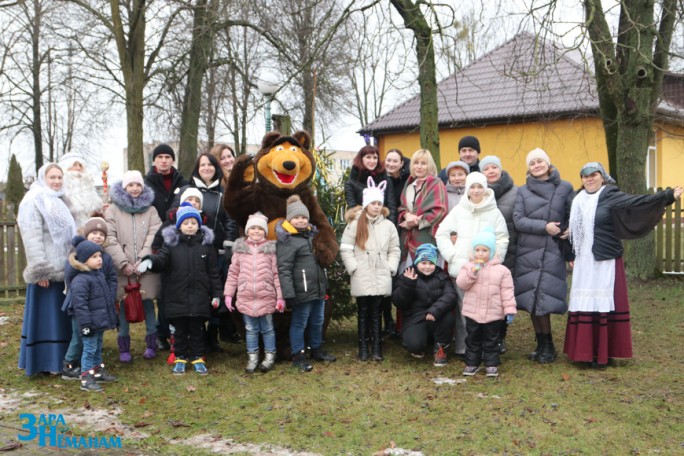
(130, 237)
(371, 269)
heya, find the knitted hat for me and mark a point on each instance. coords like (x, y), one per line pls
(164, 149)
(374, 193)
(475, 178)
(192, 191)
(469, 141)
(95, 224)
(295, 207)
(490, 160)
(257, 219)
(187, 210)
(458, 164)
(487, 238)
(426, 252)
(130, 177)
(84, 248)
(537, 153)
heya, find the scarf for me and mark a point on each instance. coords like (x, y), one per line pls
(582, 216)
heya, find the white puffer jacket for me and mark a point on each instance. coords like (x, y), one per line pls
(371, 269)
(468, 219)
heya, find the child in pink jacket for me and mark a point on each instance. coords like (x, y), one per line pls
(253, 274)
(488, 300)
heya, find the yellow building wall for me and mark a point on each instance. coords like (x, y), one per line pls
(670, 156)
(570, 144)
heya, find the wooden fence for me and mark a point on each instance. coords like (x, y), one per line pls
(12, 258)
(669, 240)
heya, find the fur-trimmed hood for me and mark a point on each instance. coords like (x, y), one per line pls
(284, 230)
(172, 236)
(353, 213)
(126, 202)
(81, 267)
(241, 245)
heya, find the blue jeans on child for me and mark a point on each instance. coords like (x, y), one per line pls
(92, 351)
(259, 325)
(73, 354)
(311, 312)
(150, 319)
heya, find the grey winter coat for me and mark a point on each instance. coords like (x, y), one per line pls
(505, 192)
(540, 274)
(301, 277)
(131, 226)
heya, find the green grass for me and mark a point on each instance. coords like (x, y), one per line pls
(350, 407)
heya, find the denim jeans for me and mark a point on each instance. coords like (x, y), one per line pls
(75, 350)
(256, 325)
(92, 351)
(150, 319)
(311, 312)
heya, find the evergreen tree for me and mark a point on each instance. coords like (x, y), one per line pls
(15, 184)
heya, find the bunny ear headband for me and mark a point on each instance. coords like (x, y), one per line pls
(374, 192)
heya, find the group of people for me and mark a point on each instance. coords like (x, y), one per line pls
(457, 252)
(468, 248)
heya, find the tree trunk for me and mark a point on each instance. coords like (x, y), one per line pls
(36, 124)
(429, 116)
(200, 51)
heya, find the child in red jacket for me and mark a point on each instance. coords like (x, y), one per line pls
(488, 300)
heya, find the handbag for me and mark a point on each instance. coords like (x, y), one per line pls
(133, 305)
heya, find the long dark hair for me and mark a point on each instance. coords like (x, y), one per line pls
(369, 150)
(218, 172)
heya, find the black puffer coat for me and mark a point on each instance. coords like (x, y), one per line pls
(434, 294)
(540, 274)
(398, 183)
(191, 279)
(358, 180)
(505, 192)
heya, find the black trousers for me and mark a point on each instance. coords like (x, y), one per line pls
(418, 337)
(482, 343)
(189, 337)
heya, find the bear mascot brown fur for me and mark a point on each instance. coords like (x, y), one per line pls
(284, 166)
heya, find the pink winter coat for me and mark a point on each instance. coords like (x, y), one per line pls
(253, 274)
(489, 293)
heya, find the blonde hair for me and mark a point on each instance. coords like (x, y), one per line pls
(424, 153)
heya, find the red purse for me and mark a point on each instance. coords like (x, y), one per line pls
(133, 306)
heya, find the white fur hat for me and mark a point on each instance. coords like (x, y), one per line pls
(374, 193)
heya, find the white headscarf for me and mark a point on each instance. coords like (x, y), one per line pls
(48, 202)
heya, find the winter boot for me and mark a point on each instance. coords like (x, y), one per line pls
(124, 349)
(213, 339)
(71, 371)
(88, 382)
(151, 350)
(548, 351)
(102, 376)
(362, 319)
(533, 356)
(387, 316)
(376, 330)
(300, 362)
(319, 354)
(252, 362)
(179, 366)
(268, 362)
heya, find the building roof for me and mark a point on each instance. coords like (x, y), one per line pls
(526, 78)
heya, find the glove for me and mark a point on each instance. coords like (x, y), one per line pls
(280, 305)
(229, 303)
(87, 332)
(290, 302)
(215, 303)
(509, 319)
(145, 265)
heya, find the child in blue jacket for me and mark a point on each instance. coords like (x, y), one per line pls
(92, 301)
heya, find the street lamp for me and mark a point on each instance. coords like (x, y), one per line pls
(268, 89)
